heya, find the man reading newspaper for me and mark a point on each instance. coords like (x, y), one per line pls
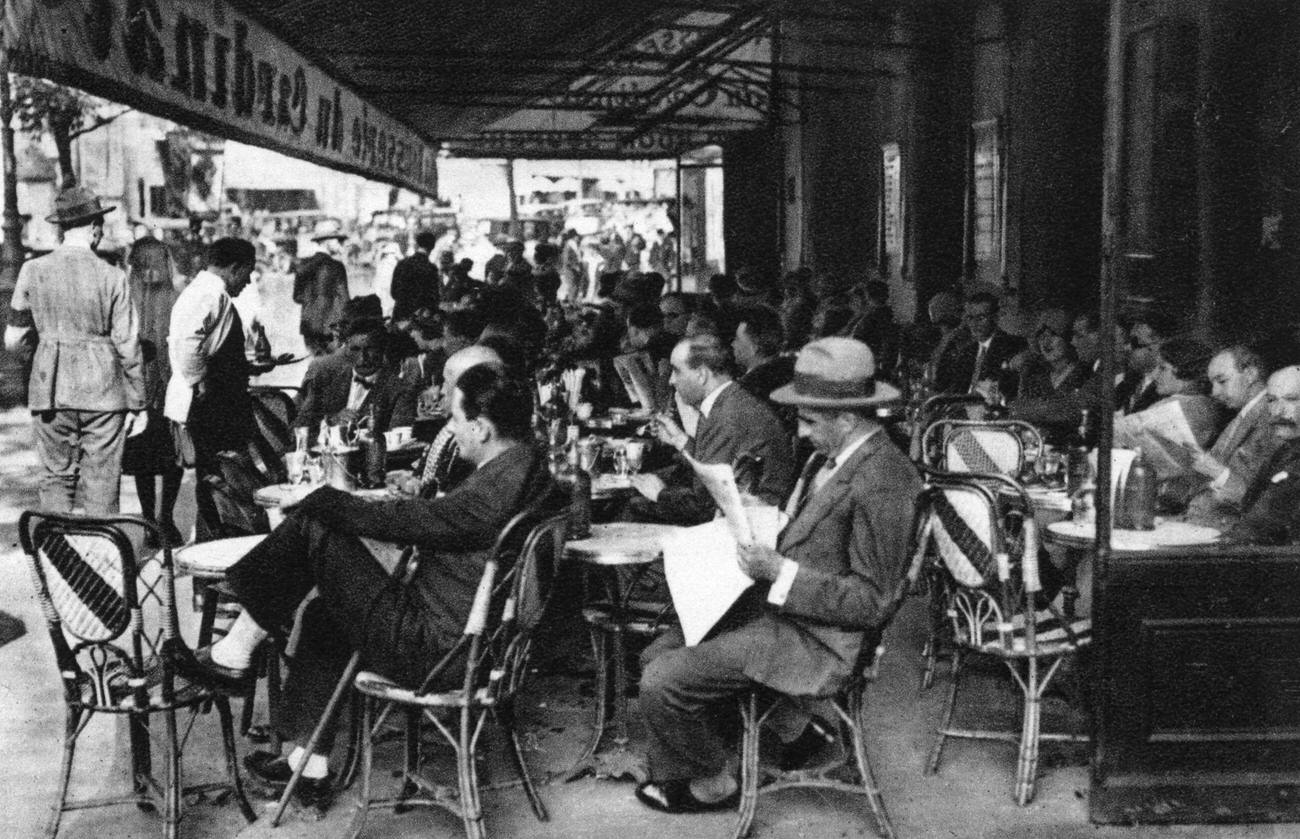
(829, 583)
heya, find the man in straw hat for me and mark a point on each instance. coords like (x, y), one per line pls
(825, 592)
(86, 391)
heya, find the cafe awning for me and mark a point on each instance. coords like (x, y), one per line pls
(380, 88)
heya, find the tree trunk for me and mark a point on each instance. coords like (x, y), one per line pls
(61, 131)
(11, 255)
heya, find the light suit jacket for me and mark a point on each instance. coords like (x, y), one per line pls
(851, 543)
(88, 352)
(1244, 447)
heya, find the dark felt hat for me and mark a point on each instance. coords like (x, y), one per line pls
(77, 204)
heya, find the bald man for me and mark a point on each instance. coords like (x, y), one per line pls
(442, 468)
(1272, 502)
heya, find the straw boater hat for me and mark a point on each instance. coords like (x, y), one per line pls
(327, 229)
(835, 373)
(77, 204)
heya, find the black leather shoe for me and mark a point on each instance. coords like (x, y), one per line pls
(271, 772)
(198, 666)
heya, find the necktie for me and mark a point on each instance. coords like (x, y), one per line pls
(816, 464)
(979, 366)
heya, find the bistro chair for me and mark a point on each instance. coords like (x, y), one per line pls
(273, 413)
(1002, 447)
(933, 409)
(853, 775)
(489, 663)
(987, 558)
(111, 616)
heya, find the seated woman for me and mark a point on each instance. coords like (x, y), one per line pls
(1052, 366)
(1181, 379)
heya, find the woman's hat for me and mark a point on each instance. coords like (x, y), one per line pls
(835, 373)
(327, 229)
(77, 204)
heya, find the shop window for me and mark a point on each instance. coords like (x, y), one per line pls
(986, 201)
(890, 244)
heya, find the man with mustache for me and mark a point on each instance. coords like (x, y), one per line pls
(1272, 502)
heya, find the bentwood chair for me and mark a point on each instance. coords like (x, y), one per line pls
(986, 554)
(852, 775)
(489, 663)
(111, 616)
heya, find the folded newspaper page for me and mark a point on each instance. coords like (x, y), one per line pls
(702, 567)
(636, 370)
(1165, 436)
(720, 481)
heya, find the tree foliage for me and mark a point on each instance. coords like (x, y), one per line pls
(65, 112)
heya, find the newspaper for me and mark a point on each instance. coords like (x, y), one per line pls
(702, 568)
(1165, 436)
(636, 370)
(720, 481)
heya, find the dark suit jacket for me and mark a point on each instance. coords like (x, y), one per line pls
(851, 542)
(454, 534)
(767, 377)
(325, 392)
(1272, 503)
(738, 424)
(416, 285)
(320, 286)
(956, 365)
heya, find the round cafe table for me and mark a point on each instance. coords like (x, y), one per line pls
(616, 556)
(1166, 534)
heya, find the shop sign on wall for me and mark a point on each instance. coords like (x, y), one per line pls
(204, 64)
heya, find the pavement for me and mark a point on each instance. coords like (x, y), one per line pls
(971, 796)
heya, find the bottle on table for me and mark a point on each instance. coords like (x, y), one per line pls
(1137, 509)
(1077, 448)
(577, 483)
(376, 453)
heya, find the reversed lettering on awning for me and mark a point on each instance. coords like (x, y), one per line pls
(204, 64)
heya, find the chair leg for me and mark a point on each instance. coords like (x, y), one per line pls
(1027, 763)
(172, 783)
(936, 752)
(471, 810)
(868, 778)
(352, 746)
(367, 759)
(141, 761)
(71, 728)
(411, 767)
(748, 765)
(232, 763)
(506, 719)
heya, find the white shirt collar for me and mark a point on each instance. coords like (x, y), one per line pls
(849, 450)
(206, 277)
(986, 343)
(1250, 405)
(707, 405)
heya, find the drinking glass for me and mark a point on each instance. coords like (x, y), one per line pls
(1049, 466)
(588, 453)
(634, 450)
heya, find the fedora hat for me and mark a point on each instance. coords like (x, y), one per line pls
(76, 204)
(835, 373)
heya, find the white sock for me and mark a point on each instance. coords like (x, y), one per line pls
(235, 650)
(317, 765)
